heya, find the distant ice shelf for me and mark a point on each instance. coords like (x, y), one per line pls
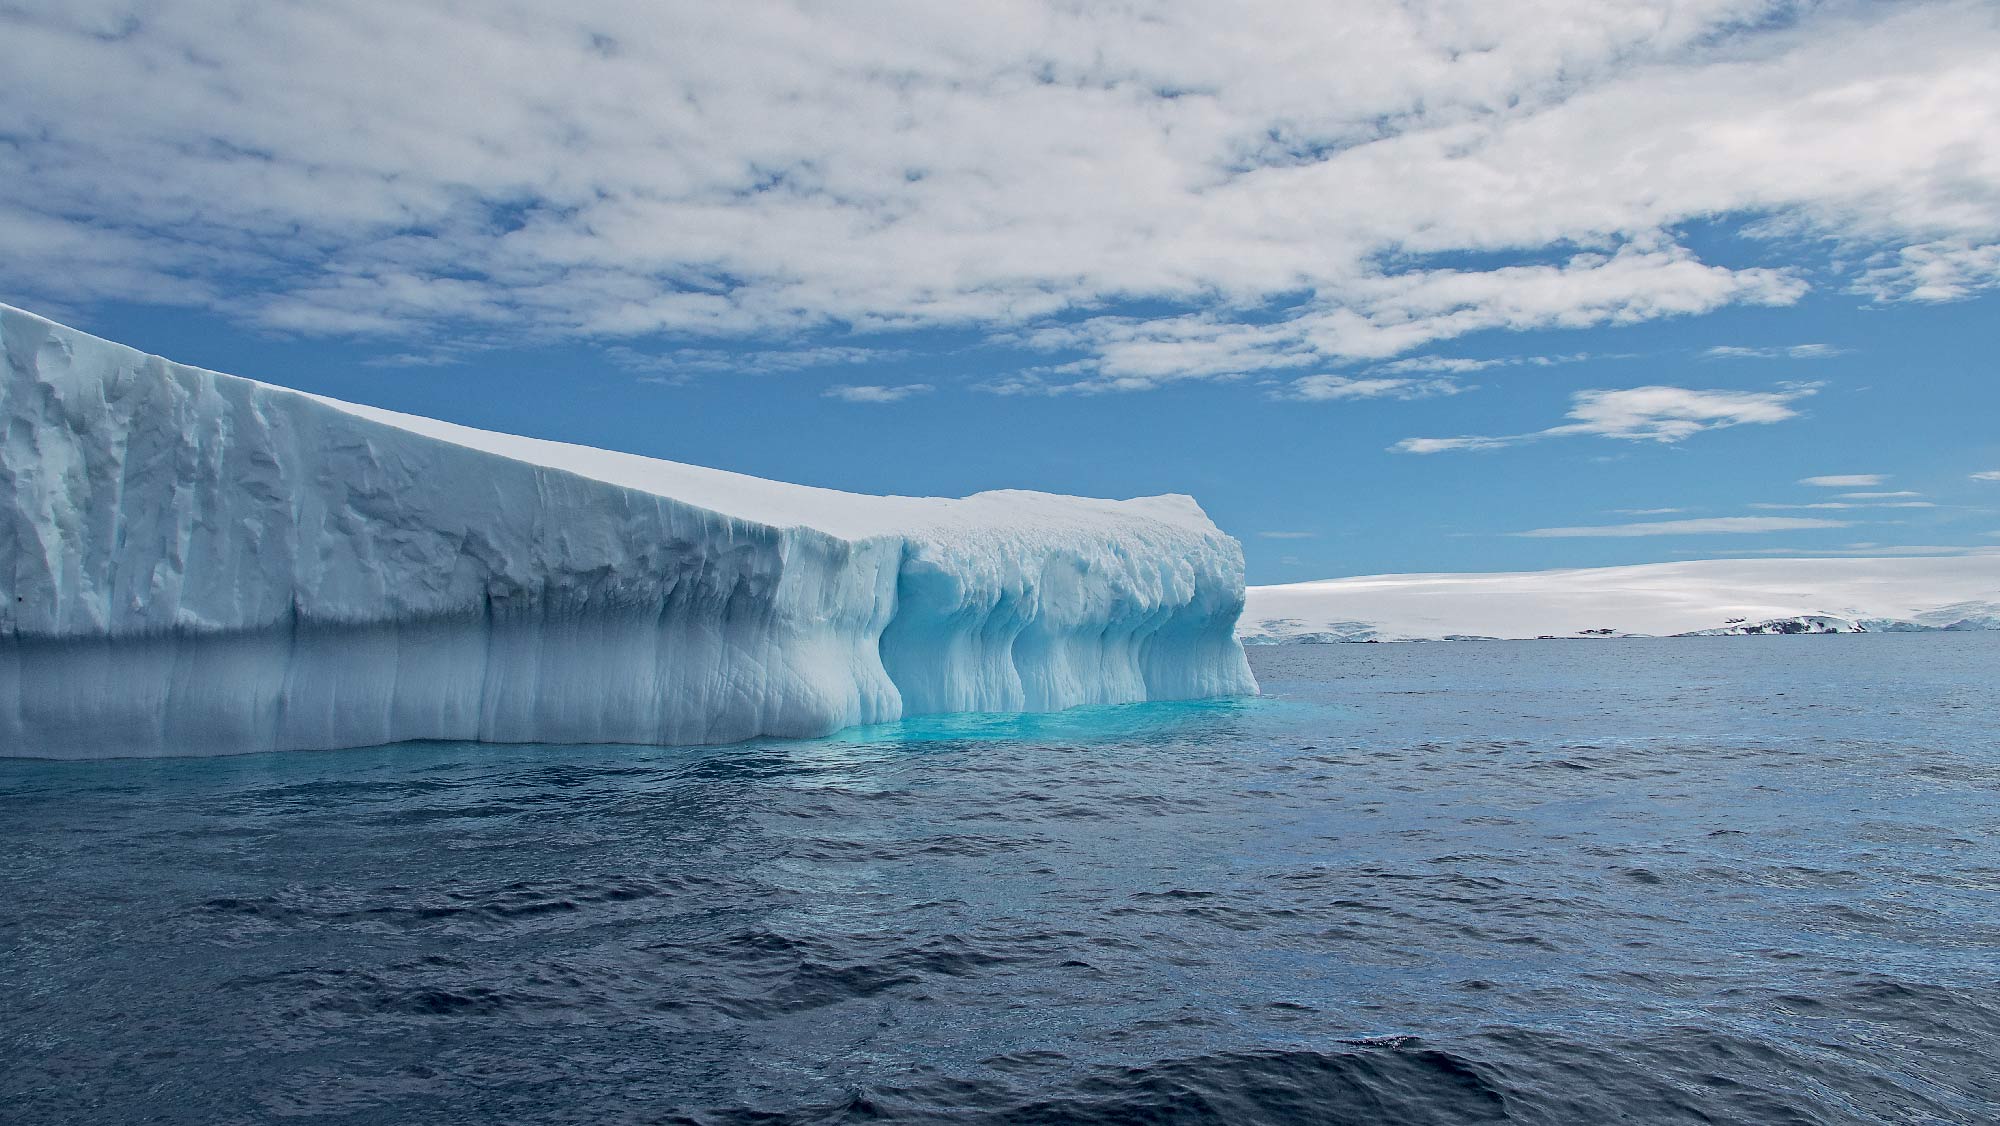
(197, 563)
(1700, 597)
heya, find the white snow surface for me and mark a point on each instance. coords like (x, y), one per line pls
(196, 563)
(1657, 599)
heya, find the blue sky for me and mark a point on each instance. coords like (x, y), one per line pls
(1393, 288)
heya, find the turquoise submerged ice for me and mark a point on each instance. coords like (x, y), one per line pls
(196, 563)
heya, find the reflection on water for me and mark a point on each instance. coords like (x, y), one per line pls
(1682, 881)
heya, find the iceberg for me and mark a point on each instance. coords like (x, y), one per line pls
(197, 563)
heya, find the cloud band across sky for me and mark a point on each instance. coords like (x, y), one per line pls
(1654, 414)
(1288, 187)
(1714, 525)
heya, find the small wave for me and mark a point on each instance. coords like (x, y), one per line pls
(1384, 1083)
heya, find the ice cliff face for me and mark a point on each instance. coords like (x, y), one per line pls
(195, 563)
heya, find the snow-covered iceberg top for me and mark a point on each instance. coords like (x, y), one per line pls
(1711, 596)
(194, 562)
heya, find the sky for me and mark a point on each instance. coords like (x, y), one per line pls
(1388, 287)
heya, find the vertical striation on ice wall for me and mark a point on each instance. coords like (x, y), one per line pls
(196, 563)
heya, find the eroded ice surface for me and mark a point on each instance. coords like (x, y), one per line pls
(198, 563)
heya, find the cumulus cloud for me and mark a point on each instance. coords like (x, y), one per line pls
(875, 393)
(1290, 181)
(1707, 526)
(1654, 414)
(1845, 480)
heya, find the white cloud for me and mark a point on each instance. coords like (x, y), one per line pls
(1328, 387)
(1382, 315)
(430, 358)
(1668, 414)
(1446, 445)
(1846, 480)
(1647, 511)
(1454, 365)
(513, 169)
(1944, 270)
(1791, 352)
(682, 364)
(1893, 495)
(1848, 504)
(1287, 535)
(1705, 526)
(1656, 414)
(875, 393)
(1399, 379)
(1447, 365)
(1988, 475)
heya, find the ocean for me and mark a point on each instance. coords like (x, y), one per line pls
(1677, 881)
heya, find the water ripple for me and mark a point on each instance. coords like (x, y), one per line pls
(1677, 882)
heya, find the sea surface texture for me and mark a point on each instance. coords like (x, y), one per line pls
(1703, 880)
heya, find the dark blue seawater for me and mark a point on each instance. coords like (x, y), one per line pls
(1709, 880)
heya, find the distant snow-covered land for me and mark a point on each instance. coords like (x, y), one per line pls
(1710, 596)
(194, 563)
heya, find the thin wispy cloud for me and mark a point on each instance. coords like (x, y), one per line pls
(681, 364)
(876, 393)
(1791, 352)
(1845, 480)
(1669, 414)
(1403, 379)
(1890, 495)
(1647, 511)
(1458, 365)
(1450, 445)
(1988, 475)
(609, 171)
(1443, 365)
(1714, 525)
(435, 358)
(1838, 504)
(1287, 535)
(1641, 414)
(1327, 388)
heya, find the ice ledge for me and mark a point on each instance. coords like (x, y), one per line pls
(198, 563)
